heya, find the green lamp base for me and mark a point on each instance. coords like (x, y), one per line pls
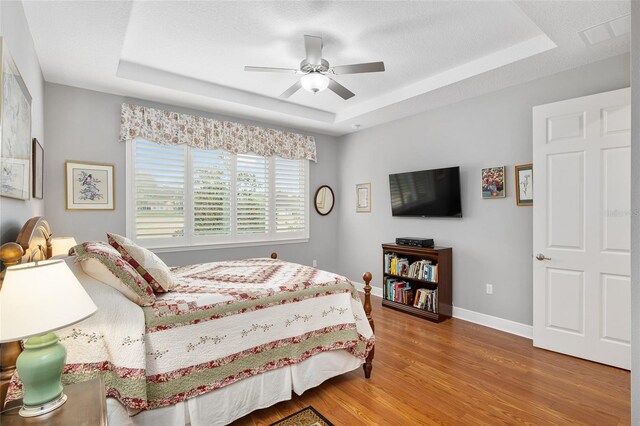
(33, 411)
(40, 367)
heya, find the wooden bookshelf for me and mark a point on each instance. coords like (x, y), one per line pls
(440, 256)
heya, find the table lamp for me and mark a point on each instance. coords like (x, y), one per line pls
(35, 299)
(61, 245)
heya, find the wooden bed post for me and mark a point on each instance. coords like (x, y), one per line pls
(368, 365)
(274, 255)
(10, 254)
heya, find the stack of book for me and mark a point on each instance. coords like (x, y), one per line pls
(398, 291)
(424, 270)
(395, 265)
(426, 299)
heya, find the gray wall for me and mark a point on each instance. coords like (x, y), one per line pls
(84, 125)
(635, 208)
(492, 243)
(15, 31)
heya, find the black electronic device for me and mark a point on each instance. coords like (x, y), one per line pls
(426, 193)
(416, 242)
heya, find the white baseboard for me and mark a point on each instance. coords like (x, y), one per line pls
(508, 326)
(376, 291)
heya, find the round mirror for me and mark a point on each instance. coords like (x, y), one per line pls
(324, 200)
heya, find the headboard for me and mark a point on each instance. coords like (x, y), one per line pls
(33, 243)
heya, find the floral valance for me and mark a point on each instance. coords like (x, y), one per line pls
(172, 128)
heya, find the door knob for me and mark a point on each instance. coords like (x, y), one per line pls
(541, 257)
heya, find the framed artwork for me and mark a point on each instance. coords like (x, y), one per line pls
(15, 129)
(89, 186)
(524, 185)
(37, 160)
(494, 182)
(363, 198)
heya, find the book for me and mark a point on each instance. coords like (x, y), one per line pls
(426, 299)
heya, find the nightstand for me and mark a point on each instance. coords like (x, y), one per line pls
(86, 406)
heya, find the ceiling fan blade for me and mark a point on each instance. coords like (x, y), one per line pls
(340, 90)
(359, 68)
(270, 69)
(313, 48)
(291, 90)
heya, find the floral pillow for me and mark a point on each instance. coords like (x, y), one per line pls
(95, 245)
(102, 262)
(148, 265)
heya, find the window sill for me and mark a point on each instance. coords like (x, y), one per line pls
(227, 245)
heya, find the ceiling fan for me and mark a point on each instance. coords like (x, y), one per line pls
(315, 71)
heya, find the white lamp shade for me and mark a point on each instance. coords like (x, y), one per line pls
(314, 82)
(61, 245)
(40, 297)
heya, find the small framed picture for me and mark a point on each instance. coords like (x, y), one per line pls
(494, 183)
(89, 186)
(363, 198)
(524, 185)
(15, 178)
(37, 161)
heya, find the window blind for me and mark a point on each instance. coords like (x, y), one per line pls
(185, 196)
(211, 194)
(290, 195)
(252, 201)
(159, 183)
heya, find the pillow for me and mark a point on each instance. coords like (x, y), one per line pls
(94, 245)
(102, 262)
(148, 265)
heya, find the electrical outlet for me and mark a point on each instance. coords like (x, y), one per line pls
(315, 263)
(489, 288)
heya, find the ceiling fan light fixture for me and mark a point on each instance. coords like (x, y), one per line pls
(314, 82)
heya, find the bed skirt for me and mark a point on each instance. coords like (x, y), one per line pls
(224, 405)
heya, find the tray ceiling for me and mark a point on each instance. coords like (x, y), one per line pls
(192, 54)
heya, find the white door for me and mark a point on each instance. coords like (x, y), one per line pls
(581, 227)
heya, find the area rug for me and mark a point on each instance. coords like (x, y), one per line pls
(305, 417)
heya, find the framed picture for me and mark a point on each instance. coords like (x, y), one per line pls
(89, 186)
(15, 125)
(524, 185)
(37, 160)
(363, 198)
(494, 182)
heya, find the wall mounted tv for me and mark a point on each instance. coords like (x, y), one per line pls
(426, 193)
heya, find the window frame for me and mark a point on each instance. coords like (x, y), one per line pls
(190, 241)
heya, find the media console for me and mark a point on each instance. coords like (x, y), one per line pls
(414, 241)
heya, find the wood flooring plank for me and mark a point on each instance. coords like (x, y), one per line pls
(458, 373)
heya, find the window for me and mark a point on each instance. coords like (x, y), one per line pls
(183, 196)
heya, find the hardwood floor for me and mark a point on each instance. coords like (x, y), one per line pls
(457, 372)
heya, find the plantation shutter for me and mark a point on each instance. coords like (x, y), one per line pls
(181, 196)
(290, 195)
(211, 178)
(159, 186)
(252, 194)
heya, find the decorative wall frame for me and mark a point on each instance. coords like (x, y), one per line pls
(494, 182)
(324, 200)
(363, 198)
(89, 186)
(15, 129)
(524, 184)
(37, 166)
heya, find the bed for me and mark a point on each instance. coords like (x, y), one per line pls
(232, 337)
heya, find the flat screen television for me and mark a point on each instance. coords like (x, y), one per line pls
(426, 193)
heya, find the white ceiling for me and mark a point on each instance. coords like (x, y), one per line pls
(192, 53)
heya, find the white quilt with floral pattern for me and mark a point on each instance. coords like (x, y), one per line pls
(225, 321)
